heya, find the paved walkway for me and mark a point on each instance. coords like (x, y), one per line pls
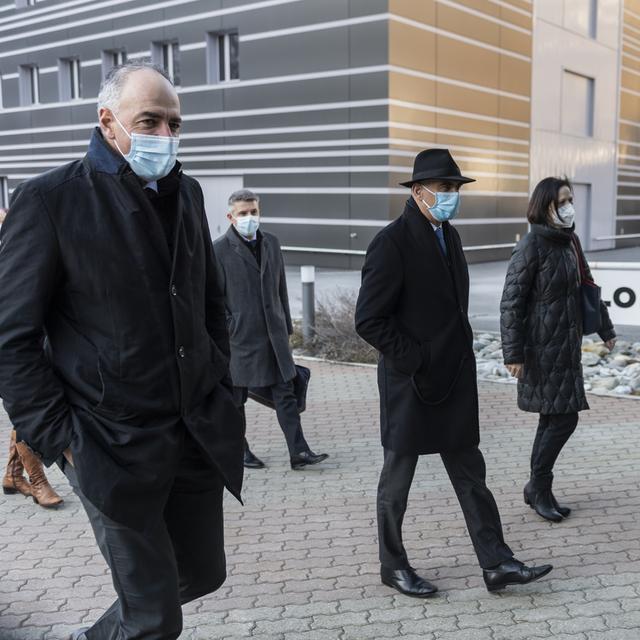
(302, 552)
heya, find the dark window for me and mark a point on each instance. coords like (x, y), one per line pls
(29, 84)
(4, 193)
(69, 78)
(167, 56)
(222, 57)
(112, 58)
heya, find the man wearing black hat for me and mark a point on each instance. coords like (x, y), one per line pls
(412, 308)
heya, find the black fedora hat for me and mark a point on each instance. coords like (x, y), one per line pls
(435, 164)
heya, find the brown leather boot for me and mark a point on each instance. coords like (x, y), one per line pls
(41, 491)
(14, 481)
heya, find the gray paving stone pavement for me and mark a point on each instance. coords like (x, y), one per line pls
(302, 552)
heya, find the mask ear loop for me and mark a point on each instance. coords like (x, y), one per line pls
(433, 194)
(128, 135)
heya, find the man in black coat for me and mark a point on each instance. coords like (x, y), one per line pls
(252, 278)
(412, 308)
(110, 257)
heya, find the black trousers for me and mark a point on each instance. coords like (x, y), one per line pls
(286, 404)
(178, 557)
(467, 472)
(554, 430)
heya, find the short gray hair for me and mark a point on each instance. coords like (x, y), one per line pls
(242, 195)
(114, 81)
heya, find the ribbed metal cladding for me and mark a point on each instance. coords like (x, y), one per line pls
(332, 101)
(628, 201)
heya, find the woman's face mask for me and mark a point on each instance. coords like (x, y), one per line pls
(150, 157)
(565, 216)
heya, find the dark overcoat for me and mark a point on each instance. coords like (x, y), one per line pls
(257, 307)
(137, 343)
(412, 308)
(541, 321)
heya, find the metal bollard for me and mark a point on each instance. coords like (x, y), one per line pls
(308, 278)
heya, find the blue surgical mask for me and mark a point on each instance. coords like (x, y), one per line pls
(446, 205)
(247, 226)
(150, 157)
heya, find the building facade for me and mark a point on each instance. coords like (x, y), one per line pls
(320, 105)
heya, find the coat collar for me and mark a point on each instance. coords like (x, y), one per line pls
(103, 158)
(237, 244)
(423, 232)
(560, 236)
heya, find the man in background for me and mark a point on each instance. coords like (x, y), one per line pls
(252, 279)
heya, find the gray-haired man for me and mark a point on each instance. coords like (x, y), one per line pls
(251, 272)
(132, 398)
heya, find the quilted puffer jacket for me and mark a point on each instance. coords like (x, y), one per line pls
(541, 321)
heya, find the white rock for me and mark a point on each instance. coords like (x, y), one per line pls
(596, 347)
(606, 384)
(623, 390)
(501, 371)
(622, 346)
(622, 361)
(590, 359)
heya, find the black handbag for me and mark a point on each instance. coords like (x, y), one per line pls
(590, 295)
(300, 385)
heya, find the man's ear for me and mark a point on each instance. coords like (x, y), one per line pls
(107, 123)
(230, 217)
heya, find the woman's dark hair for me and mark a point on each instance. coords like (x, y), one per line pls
(545, 193)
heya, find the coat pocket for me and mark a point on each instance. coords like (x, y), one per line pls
(434, 382)
(108, 403)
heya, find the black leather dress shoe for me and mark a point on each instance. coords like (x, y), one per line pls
(305, 458)
(543, 503)
(251, 461)
(408, 582)
(512, 572)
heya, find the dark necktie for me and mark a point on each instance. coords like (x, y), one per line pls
(440, 236)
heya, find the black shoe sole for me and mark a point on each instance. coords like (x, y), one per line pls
(499, 587)
(408, 593)
(253, 465)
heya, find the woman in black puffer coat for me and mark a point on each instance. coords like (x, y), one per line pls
(541, 326)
